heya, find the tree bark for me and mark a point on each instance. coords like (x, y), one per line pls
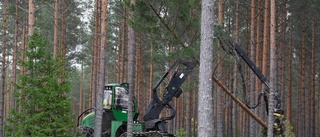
(56, 30)
(283, 48)
(172, 102)
(265, 44)
(219, 96)
(273, 67)
(63, 44)
(63, 29)
(302, 119)
(194, 124)
(289, 102)
(81, 89)
(313, 74)
(205, 108)
(23, 44)
(99, 91)
(8, 96)
(15, 52)
(31, 18)
(3, 68)
(131, 69)
(252, 55)
(235, 72)
(265, 37)
(95, 56)
(318, 114)
(139, 67)
(259, 40)
(151, 73)
(188, 110)
(123, 43)
(117, 62)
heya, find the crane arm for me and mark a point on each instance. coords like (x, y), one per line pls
(151, 116)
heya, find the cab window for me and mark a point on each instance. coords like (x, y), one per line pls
(121, 98)
(107, 99)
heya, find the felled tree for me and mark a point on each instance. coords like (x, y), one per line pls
(44, 107)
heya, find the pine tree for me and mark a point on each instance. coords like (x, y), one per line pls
(3, 68)
(205, 100)
(45, 108)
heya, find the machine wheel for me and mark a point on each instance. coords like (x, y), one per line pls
(148, 134)
(123, 134)
(155, 134)
(86, 131)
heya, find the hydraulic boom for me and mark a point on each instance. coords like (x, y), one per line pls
(151, 116)
(278, 112)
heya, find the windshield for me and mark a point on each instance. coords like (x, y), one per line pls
(121, 100)
(107, 99)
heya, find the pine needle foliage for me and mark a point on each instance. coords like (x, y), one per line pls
(44, 109)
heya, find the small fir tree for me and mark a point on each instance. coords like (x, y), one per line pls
(44, 107)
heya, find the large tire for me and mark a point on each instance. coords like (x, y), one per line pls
(123, 134)
(148, 134)
(86, 131)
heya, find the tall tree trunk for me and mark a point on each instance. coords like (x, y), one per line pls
(95, 56)
(318, 113)
(188, 110)
(265, 37)
(63, 29)
(3, 68)
(151, 73)
(252, 55)
(123, 43)
(81, 89)
(31, 18)
(312, 92)
(235, 81)
(205, 108)
(266, 45)
(92, 76)
(283, 47)
(246, 73)
(131, 69)
(219, 96)
(8, 96)
(15, 52)
(63, 38)
(24, 44)
(195, 114)
(302, 119)
(56, 30)
(259, 39)
(273, 67)
(117, 62)
(177, 118)
(99, 91)
(172, 102)
(289, 102)
(139, 69)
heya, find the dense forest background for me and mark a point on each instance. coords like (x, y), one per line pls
(166, 31)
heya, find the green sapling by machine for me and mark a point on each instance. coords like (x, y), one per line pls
(115, 108)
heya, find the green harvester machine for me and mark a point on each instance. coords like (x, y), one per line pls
(115, 108)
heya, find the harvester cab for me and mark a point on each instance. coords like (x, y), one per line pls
(115, 114)
(115, 101)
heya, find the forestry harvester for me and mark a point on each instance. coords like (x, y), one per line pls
(115, 108)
